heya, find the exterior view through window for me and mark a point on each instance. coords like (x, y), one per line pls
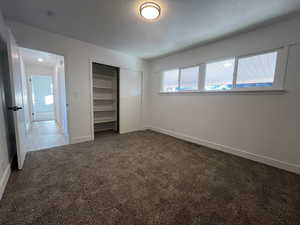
(219, 75)
(170, 80)
(189, 79)
(256, 72)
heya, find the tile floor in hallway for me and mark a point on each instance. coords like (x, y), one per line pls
(45, 134)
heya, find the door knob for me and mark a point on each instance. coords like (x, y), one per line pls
(14, 108)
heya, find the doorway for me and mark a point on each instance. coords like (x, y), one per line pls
(42, 98)
(105, 104)
(47, 117)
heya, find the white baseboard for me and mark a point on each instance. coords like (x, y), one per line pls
(4, 180)
(80, 139)
(255, 157)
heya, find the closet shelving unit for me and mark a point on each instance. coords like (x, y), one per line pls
(105, 97)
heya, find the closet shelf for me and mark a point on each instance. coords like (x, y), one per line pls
(103, 109)
(103, 129)
(104, 119)
(104, 98)
(102, 76)
(102, 87)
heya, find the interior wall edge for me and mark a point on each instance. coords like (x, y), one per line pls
(4, 179)
(75, 140)
(234, 151)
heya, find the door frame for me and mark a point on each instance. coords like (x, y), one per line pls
(92, 60)
(67, 85)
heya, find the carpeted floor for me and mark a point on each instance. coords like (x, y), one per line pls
(146, 178)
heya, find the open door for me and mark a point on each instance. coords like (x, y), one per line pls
(15, 100)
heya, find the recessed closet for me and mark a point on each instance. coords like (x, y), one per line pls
(105, 84)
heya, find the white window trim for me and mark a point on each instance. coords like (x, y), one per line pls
(179, 77)
(162, 81)
(279, 77)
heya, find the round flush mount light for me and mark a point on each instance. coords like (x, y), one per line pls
(150, 10)
(40, 59)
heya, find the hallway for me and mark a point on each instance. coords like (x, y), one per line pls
(45, 134)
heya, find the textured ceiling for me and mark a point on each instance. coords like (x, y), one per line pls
(116, 24)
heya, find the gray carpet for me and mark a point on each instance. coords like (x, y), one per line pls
(147, 178)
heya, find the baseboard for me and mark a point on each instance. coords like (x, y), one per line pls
(146, 127)
(4, 180)
(238, 152)
(80, 139)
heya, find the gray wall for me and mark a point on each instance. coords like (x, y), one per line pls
(259, 126)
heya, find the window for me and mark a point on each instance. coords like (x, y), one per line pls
(170, 80)
(189, 79)
(49, 100)
(256, 71)
(219, 75)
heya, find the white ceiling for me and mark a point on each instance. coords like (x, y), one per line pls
(116, 24)
(31, 56)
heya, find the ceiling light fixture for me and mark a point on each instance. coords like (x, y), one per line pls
(40, 60)
(150, 10)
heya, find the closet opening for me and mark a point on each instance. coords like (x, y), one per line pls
(105, 98)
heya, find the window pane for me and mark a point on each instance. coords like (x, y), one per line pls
(170, 80)
(219, 75)
(256, 71)
(189, 78)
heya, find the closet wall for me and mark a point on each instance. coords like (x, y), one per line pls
(105, 97)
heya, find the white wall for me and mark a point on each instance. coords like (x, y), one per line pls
(77, 55)
(261, 126)
(56, 94)
(26, 106)
(60, 98)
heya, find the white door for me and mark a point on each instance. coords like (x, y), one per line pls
(130, 100)
(42, 97)
(17, 100)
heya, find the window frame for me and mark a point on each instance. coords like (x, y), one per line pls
(179, 78)
(278, 82)
(216, 61)
(279, 76)
(162, 81)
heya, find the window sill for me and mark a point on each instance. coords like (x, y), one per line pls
(253, 91)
